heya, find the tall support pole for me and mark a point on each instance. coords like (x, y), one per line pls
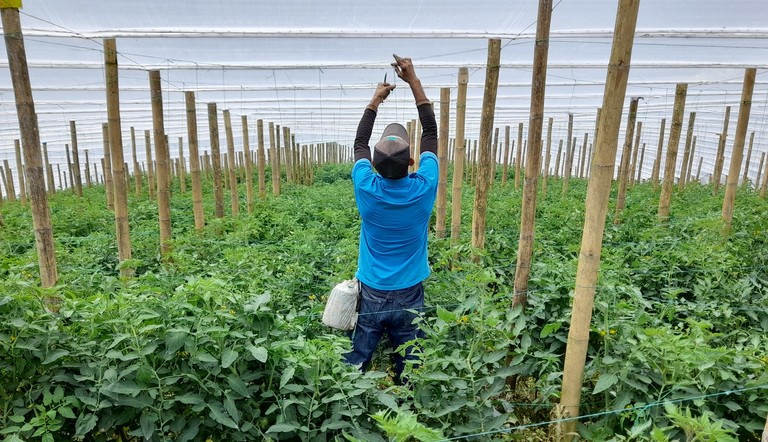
(594, 140)
(690, 160)
(738, 146)
(151, 183)
(681, 91)
(8, 180)
(568, 155)
(442, 157)
(458, 162)
(261, 157)
(583, 155)
(718, 172)
(764, 186)
(75, 160)
(484, 159)
(274, 151)
(598, 193)
(87, 170)
(107, 167)
(234, 197)
(213, 129)
(547, 157)
(287, 149)
(557, 159)
(49, 170)
(20, 170)
(136, 169)
(687, 151)
(182, 167)
(248, 164)
(749, 157)
(639, 171)
(118, 163)
(505, 166)
(25, 111)
(657, 161)
(533, 160)
(161, 153)
(635, 151)
(624, 165)
(194, 160)
(698, 170)
(518, 155)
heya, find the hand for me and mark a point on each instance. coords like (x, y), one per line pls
(383, 90)
(404, 69)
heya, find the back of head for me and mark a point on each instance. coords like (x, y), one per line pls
(392, 154)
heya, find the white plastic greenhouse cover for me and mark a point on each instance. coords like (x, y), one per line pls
(312, 66)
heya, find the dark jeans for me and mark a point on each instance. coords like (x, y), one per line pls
(386, 311)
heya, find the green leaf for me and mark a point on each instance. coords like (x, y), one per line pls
(231, 408)
(605, 381)
(174, 341)
(147, 422)
(286, 376)
(283, 428)
(67, 412)
(219, 415)
(237, 385)
(259, 353)
(228, 358)
(203, 356)
(54, 355)
(85, 423)
(550, 328)
(445, 315)
(125, 387)
(190, 399)
(189, 432)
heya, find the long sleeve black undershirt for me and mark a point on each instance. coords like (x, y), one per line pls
(365, 128)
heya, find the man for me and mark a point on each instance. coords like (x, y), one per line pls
(395, 208)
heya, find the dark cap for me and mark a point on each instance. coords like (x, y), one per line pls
(392, 154)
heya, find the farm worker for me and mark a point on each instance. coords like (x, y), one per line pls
(395, 208)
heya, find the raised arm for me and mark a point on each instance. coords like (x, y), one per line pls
(365, 127)
(404, 69)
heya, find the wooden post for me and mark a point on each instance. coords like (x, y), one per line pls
(518, 155)
(182, 167)
(118, 163)
(9, 185)
(493, 155)
(458, 162)
(61, 182)
(136, 169)
(233, 193)
(749, 157)
(598, 193)
(718, 172)
(765, 177)
(674, 140)
(274, 153)
(759, 171)
(25, 110)
(151, 183)
(248, 164)
(639, 170)
(261, 159)
(594, 142)
(624, 165)
(687, 151)
(107, 167)
(49, 170)
(442, 157)
(568, 155)
(194, 160)
(218, 191)
(484, 158)
(657, 162)
(738, 146)
(505, 164)
(533, 160)
(287, 149)
(698, 171)
(69, 166)
(78, 182)
(557, 160)
(547, 157)
(20, 170)
(161, 153)
(635, 150)
(583, 154)
(690, 160)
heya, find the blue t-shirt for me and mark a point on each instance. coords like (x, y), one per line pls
(395, 214)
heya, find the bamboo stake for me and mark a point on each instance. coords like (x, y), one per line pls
(287, 144)
(213, 128)
(474, 162)
(674, 140)
(233, 194)
(279, 154)
(594, 138)
(631, 170)
(505, 166)
(49, 170)
(136, 169)
(61, 182)
(493, 155)
(568, 155)
(484, 159)
(261, 159)
(698, 171)
(583, 154)
(458, 163)
(687, 151)
(690, 160)
(69, 166)
(639, 170)
(598, 193)
(151, 183)
(749, 157)
(118, 163)
(624, 165)
(248, 160)
(20, 169)
(194, 161)
(107, 167)
(518, 155)
(533, 161)
(547, 157)
(718, 172)
(161, 149)
(274, 147)
(557, 160)
(25, 111)
(9, 185)
(442, 157)
(657, 162)
(182, 168)
(78, 182)
(738, 146)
